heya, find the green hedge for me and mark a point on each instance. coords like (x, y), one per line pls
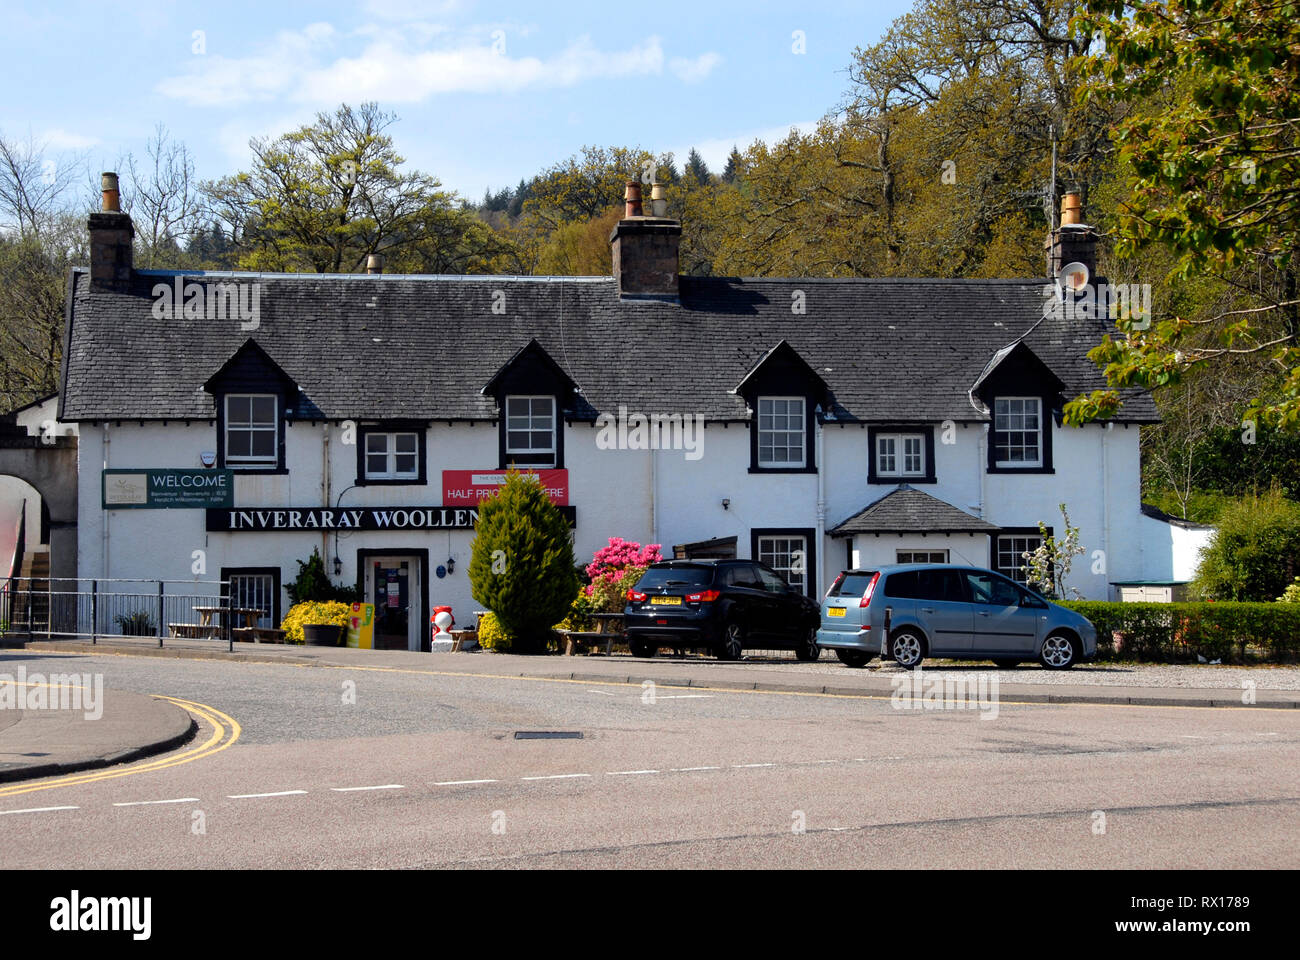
(1177, 632)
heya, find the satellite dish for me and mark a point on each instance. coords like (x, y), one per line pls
(1073, 277)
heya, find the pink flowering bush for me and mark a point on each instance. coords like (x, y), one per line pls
(615, 569)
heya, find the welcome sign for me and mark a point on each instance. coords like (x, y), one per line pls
(167, 488)
(287, 519)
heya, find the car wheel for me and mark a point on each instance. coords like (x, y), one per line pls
(853, 658)
(732, 644)
(908, 648)
(1006, 664)
(805, 648)
(1058, 652)
(642, 648)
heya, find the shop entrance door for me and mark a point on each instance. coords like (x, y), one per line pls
(393, 586)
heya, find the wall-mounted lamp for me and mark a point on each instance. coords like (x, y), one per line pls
(726, 503)
(451, 565)
(338, 567)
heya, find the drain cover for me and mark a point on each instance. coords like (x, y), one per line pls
(548, 734)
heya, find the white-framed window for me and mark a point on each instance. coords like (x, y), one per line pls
(1011, 555)
(252, 430)
(392, 456)
(900, 455)
(530, 430)
(921, 556)
(788, 556)
(1018, 432)
(781, 427)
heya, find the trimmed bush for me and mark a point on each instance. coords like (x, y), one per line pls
(330, 612)
(521, 567)
(491, 635)
(1178, 632)
(1254, 552)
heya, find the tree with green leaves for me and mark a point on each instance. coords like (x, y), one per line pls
(732, 170)
(323, 197)
(697, 171)
(1254, 552)
(1211, 149)
(521, 566)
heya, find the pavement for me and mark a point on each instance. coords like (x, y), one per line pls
(50, 726)
(46, 742)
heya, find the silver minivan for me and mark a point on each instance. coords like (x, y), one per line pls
(914, 611)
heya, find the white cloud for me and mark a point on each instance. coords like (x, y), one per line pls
(715, 151)
(56, 138)
(398, 65)
(693, 70)
(214, 80)
(408, 10)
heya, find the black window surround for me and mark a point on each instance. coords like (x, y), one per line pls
(809, 435)
(419, 428)
(811, 587)
(926, 433)
(272, 572)
(994, 553)
(246, 468)
(531, 372)
(544, 460)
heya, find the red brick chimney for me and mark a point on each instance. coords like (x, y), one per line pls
(111, 238)
(645, 252)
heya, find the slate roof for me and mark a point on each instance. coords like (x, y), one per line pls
(390, 346)
(908, 510)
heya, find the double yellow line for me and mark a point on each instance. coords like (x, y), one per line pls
(225, 731)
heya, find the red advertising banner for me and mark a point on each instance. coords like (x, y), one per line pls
(468, 487)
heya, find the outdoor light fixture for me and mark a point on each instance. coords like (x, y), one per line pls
(338, 566)
(451, 565)
(726, 503)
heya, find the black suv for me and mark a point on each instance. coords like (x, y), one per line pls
(725, 605)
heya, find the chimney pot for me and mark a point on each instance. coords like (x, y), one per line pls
(658, 205)
(632, 199)
(111, 199)
(375, 263)
(1071, 209)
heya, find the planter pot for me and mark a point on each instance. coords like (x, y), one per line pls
(323, 634)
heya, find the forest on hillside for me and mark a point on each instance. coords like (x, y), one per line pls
(957, 134)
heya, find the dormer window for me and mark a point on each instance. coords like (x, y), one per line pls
(530, 431)
(781, 432)
(251, 430)
(1017, 432)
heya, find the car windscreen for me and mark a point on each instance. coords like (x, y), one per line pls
(852, 584)
(657, 577)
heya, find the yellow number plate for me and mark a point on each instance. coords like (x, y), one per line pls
(835, 611)
(666, 601)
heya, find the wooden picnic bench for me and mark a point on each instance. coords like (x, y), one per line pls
(194, 631)
(609, 627)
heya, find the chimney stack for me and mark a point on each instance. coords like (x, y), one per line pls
(111, 238)
(375, 263)
(1073, 241)
(645, 249)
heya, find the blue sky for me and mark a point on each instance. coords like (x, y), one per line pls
(486, 93)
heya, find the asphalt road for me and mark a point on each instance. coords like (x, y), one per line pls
(343, 767)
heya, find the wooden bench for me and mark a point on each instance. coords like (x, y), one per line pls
(267, 635)
(194, 631)
(575, 640)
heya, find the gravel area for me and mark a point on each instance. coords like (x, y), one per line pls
(1195, 676)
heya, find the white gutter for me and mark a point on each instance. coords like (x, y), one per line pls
(325, 496)
(819, 453)
(104, 514)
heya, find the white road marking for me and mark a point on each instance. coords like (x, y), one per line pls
(744, 766)
(603, 693)
(685, 696)
(690, 769)
(627, 773)
(386, 786)
(558, 776)
(146, 803)
(37, 810)
(1188, 736)
(253, 796)
(461, 783)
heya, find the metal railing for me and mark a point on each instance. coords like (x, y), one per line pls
(62, 608)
